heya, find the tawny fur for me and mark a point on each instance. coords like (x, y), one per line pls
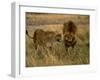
(44, 38)
(69, 34)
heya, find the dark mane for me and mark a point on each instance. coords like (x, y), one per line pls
(70, 27)
(69, 34)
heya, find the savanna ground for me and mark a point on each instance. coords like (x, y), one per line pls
(58, 55)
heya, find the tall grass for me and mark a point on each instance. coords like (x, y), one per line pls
(57, 55)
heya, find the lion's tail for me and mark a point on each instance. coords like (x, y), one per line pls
(29, 35)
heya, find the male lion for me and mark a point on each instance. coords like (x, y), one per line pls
(69, 34)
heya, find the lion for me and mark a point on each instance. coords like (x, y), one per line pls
(69, 34)
(44, 38)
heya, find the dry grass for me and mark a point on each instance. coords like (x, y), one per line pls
(57, 55)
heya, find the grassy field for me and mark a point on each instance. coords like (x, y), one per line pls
(57, 55)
